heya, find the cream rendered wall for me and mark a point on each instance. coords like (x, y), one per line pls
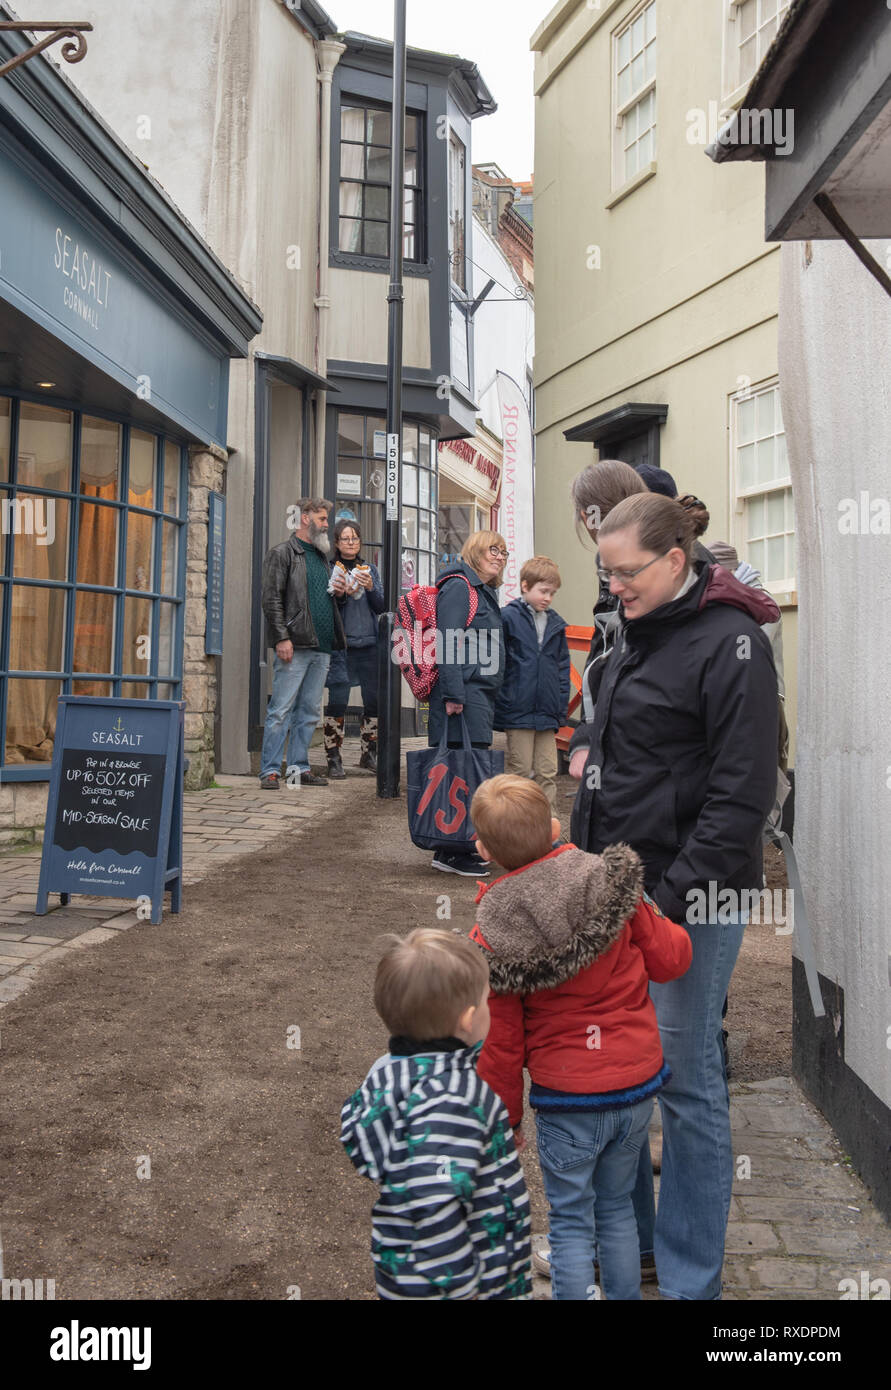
(152, 77)
(669, 296)
(357, 329)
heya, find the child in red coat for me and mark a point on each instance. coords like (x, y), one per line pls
(572, 943)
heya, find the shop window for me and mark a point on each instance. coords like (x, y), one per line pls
(460, 515)
(359, 490)
(364, 208)
(765, 517)
(90, 567)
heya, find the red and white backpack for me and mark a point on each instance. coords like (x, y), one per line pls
(414, 637)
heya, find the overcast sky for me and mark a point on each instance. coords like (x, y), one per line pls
(494, 34)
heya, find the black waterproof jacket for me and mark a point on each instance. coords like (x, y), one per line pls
(682, 755)
(285, 602)
(471, 665)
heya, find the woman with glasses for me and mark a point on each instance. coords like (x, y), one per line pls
(360, 609)
(681, 765)
(471, 661)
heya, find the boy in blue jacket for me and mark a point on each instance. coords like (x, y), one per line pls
(533, 702)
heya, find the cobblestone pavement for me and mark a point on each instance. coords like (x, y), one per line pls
(801, 1222)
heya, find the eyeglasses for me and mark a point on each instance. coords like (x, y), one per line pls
(626, 576)
(495, 551)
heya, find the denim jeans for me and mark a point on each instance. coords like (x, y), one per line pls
(589, 1161)
(293, 710)
(697, 1154)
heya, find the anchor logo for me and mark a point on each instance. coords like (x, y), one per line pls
(119, 728)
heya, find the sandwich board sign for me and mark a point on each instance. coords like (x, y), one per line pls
(115, 811)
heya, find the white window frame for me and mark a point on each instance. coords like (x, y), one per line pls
(734, 89)
(785, 591)
(457, 180)
(619, 179)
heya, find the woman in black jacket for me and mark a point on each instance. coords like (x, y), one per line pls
(681, 764)
(471, 661)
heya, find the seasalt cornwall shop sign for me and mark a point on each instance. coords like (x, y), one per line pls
(72, 280)
(90, 279)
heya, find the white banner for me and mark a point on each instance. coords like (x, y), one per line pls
(517, 483)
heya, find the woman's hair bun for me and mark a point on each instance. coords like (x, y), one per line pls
(697, 511)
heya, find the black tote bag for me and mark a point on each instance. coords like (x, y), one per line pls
(440, 783)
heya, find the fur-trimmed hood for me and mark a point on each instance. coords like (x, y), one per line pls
(546, 922)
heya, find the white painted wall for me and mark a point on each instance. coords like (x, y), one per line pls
(835, 375)
(504, 333)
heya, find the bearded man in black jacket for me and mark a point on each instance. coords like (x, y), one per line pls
(304, 625)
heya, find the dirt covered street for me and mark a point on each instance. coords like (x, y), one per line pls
(160, 1137)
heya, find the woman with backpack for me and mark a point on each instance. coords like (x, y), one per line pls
(360, 608)
(471, 661)
(680, 764)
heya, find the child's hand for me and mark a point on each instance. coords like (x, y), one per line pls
(519, 1139)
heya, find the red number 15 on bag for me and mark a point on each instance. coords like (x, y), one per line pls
(456, 787)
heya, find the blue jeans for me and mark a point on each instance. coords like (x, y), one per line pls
(293, 710)
(697, 1154)
(589, 1162)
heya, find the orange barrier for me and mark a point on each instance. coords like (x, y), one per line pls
(578, 640)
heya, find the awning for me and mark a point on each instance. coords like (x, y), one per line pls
(819, 112)
(294, 373)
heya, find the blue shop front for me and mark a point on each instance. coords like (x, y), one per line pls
(117, 325)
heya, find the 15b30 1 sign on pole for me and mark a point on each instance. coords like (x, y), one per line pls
(392, 477)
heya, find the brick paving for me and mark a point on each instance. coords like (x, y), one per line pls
(801, 1222)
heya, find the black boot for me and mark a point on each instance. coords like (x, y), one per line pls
(368, 740)
(333, 731)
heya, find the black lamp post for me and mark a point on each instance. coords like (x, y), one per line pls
(389, 676)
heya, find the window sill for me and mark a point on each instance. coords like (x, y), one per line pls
(734, 100)
(632, 185)
(789, 599)
(347, 260)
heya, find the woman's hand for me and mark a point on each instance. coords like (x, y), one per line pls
(339, 581)
(365, 579)
(519, 1139)
(577, 763)
(451, 707)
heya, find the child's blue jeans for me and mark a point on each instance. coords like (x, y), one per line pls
(589, 1162)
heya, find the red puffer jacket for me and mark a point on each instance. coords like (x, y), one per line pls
(572, 945)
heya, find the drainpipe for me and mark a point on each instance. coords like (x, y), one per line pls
(328, 53)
